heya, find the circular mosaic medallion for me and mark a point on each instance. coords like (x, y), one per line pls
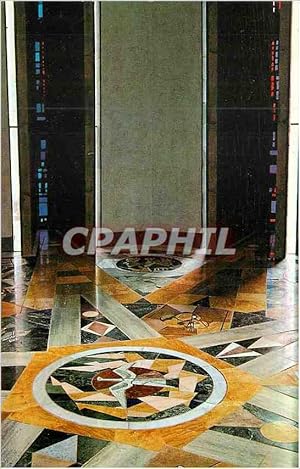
(129, 387)
(148, 264)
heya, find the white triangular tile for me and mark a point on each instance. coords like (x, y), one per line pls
(263, 342)
(247, 353)
(229, 348)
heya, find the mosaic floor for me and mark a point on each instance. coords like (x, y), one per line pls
(160, 363)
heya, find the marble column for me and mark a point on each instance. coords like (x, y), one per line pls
(151, 143)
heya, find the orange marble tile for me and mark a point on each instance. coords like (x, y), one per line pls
(173, 457)
(250, 302)
(187, 299)
(115, 412)
(113, 287)
(223, 302)
(41, 289)
(9, 309)
(163, 365)
(4, 415)
(72, 279)
(253, 281)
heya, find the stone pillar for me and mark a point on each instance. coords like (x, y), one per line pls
(6, 205)
(24, 148)
(151, 114)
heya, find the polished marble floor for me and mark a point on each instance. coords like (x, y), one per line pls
(126, 364)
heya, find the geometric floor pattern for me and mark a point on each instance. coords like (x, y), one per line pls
(122, 392)
(189, 367)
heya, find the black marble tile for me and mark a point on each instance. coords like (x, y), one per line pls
(88, 338)
(237, 361)
(141, 307)
(88, 447)
(27, 331)
(247, 342)
(254, 434)
(80, 379)
(117, 334)
(215, 349)
(203, 390)
(132, 402)
(86, 305)
(188, 366)
(104, 403)
(9, 375)
(173, 382)
(203, 302)
(68, 273)
(246, 319)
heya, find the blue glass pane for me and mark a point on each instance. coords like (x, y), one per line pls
(43, 200)
(37, 46)
(43, 210)
(39, 175)
(43, 155)
(40, 10)
(41, 118)
(37, 57)
(43, 144)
